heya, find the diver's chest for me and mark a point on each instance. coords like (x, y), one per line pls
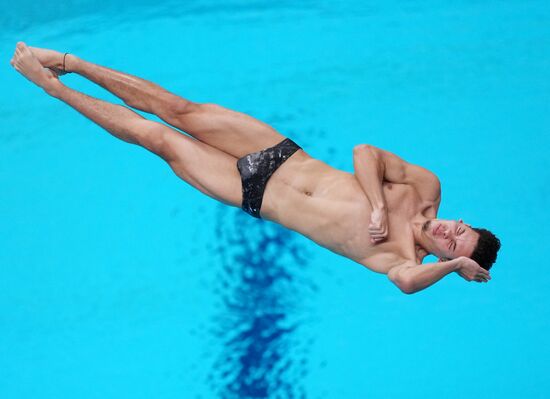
(401, 199)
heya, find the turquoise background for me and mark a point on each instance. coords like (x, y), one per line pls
(119, 280)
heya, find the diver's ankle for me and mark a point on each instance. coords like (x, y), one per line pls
(70, 63)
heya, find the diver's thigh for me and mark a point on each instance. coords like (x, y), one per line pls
(232, 132)
(206, 168)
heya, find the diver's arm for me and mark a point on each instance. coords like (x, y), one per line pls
(411, 277)
(369, 171)
(396, 170)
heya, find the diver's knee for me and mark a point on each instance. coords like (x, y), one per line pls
(178, 106)
(157, 138)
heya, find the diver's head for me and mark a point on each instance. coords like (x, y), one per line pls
(449, 239)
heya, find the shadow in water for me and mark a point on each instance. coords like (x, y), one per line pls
(260, 286)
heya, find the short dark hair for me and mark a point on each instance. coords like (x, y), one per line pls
(485, 252)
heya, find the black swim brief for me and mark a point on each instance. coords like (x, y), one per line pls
(256, 169)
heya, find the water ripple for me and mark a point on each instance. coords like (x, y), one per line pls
(263, 357)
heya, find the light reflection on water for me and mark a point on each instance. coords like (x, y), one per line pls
(257, 326)
(26, 14)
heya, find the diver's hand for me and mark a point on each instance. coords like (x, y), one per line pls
(378, 227)
(470, 270)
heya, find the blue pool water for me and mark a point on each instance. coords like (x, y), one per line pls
(118, 280)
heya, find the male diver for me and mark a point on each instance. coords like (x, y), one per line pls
(383, 216)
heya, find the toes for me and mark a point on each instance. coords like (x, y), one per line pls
(21, 48)
(24, 49)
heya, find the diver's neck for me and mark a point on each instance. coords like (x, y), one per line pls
(421, 243)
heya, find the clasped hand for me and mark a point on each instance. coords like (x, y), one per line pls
(470, 270)
(378, 227)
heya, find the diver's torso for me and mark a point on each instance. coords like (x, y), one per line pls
(329, 206)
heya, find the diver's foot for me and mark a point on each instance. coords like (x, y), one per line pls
(28, 65)
(53, 59)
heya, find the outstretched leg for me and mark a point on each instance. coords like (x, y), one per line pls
(209, 170)
(232, 132)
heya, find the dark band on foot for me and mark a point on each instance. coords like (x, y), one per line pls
(64, 70)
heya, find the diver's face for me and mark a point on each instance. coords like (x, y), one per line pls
(450, 239)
